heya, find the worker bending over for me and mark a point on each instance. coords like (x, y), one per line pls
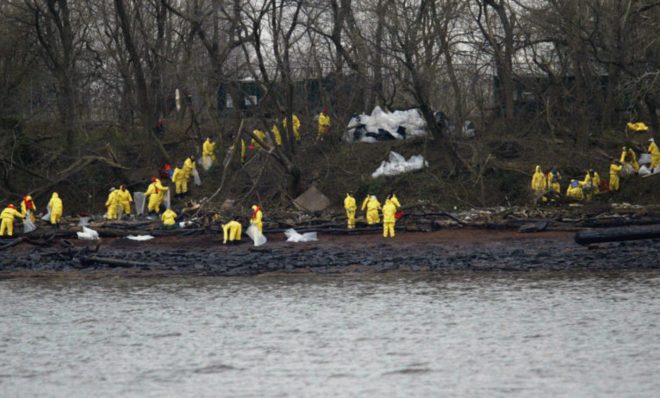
(168, 218)
(350, 206)
(155, 192)
(28, 207)
(231, 231)
(7, 216)
(371, 205)
(574, 190)
(180, 181)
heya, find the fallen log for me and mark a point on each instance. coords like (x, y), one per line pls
(617, 234)
(116, 262)
(12, 243)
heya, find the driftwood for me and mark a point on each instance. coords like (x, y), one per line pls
(13, 243)
(115, 262)
(618, 234)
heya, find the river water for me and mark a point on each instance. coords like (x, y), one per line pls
(380, 335)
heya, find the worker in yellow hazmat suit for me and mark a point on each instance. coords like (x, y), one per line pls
(256, 218)
(208, 148)
(56, 209)
(655, 154)
(389, 219)
(188, 167)
(296, 126)
(7, 216)
(168, 218)
(155, 192)
(324, 124)
(539, 181)
(395, 201)
(350, 206)
(180, 181)
(231, 231)
(28, 206)
(615, 169)
(125, 199)
(554, 180)
(587, 185)
(574, 190)
(111, 204)
(595, 179)
(372, 207)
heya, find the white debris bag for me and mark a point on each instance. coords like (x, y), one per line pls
(257, 237)
(166, 199)
(627, 170)
(644, 171)
(198, 181)
(28, 225)
(139, 238)
(397, 164)
(644, 158)
(139, 199)
(383, 126)
(206, 162)
(293, 236)
(88, 234)
(47, 216)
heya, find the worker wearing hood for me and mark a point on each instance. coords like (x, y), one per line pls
(111, 204)
(125, 199)
(615, 169)
(373, 205)
(155, 192)
(56, 209)
(256, 218)
(389, 219)
(28, 206)
(350, 206)
(655, 154)
(539, 181)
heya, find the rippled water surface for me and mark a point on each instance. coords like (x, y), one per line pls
(350, 335)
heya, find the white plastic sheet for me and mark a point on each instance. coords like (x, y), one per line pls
(645, 171)
(645, 158)
(166, 199)
(88, 234)
(195, 174)
(257, 237)
(397, 164)
(139, 238)
(411, 120)
(293, 236)
(139, 199)
(46, 217)
(28, 225)
(206, 162)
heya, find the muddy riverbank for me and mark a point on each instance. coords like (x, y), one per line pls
(446, 250)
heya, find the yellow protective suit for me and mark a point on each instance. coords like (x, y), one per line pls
(655, 155)
(324, 125)
(169, 218)
(56, 208)
(180, 181)
(587, 186)
(350, 206)
(188, 167)
(615, 169)
(231, 231)
(27, 204)
(373, 205)
(208, 149)
(112, 204)
(296, 126)
(256, 218)
(125, 198)
(539, 181)
(629, 156)
(243, 151)
(637, 127)
(595, 178)
(389, 219)
(553, 181)
(395, 201)
(155, 192)
(7, 216)
(574, 191)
